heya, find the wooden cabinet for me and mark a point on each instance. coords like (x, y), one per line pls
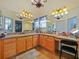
(35, 40)
(42, 40)
(78, 48)
(9, 47)
(1, 49)
(45, 37)
(50, 43)
(47, 42)
(25, 39)
(21, 44)
(12, 46)
(29, 42)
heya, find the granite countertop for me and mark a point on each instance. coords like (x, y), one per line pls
(61, 36)
(18, 35)
(54, 35)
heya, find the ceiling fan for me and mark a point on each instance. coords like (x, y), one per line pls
(38, 3)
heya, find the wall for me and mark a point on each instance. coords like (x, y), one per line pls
(26, 25)
(62, 23)
(11, 14)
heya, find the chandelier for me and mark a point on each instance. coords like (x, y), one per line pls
(38, 3)
(25, 14)
(59, 13)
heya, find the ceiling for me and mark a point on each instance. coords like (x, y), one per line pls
(19, 5)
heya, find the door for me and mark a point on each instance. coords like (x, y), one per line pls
(18, 26)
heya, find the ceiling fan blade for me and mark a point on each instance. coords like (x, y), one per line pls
(39, 0)
(35, 1)
(44, 1)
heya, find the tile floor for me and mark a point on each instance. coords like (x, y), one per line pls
(41, 54)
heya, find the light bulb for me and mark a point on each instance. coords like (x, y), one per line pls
(53, 13)
(31, 15)
(65, 9)
(60, 11)
(26, 14)
(23, 12)
(55, 16)
(62, 14)
(66, 12)
(56, 12)
(21, 15)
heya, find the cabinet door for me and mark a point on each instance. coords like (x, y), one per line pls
(40, 40)
(0, 49)
(29, 42)
(44, 41)
(25, 39)
(50, 44)
(20, 44)
(78, 48)
(35, 40)
(9, 47)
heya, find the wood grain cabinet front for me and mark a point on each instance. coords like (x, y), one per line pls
(9, 47)
(1, 49)
(29, 42)
(21, 44)
(50, 44)
(42, 40)
(35, 40)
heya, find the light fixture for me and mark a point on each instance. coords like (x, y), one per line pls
(38, 3)
(25, 14)
(59, 13)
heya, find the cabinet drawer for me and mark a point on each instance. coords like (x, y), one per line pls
(7, 41)
(10, 53)
(35, 36)
(9, 47)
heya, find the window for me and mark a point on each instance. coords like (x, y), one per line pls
(40, 22)
(8, 24)
(36, 24)
(1, 23)
(72, 23)
(43, 22)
